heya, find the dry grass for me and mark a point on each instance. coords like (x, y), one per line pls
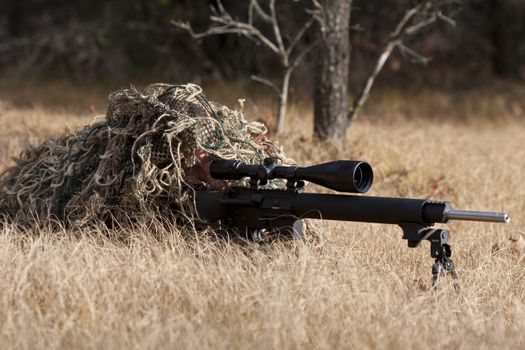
(360, 288)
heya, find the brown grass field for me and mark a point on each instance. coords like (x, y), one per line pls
(359, 287)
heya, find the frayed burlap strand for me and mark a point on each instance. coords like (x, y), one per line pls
(133, 164)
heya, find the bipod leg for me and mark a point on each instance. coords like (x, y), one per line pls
(443, 263)
(437, 270)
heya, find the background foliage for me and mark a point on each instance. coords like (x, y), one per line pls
(114, 40)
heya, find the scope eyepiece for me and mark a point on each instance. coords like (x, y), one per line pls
(342, 175)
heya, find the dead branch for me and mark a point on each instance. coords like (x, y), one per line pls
(299, 35)
(266, 82)
(277, 34)
(413, 55)
(410, 24)
(288, 53)
(302, 54)
(254, 5)
(227, 25)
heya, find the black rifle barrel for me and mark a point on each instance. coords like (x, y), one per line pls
(385, 210)
(358, 208)
(215, 205)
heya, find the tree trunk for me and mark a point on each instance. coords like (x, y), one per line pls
(333, 59)
(508, 17)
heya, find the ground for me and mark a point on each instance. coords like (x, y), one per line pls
(358, 287)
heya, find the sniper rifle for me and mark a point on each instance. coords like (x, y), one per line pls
(258, 210)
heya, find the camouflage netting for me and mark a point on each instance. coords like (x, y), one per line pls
(142, 159)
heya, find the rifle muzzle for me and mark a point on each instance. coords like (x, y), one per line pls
(477, 216)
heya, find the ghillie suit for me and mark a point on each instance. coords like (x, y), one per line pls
(143, 160)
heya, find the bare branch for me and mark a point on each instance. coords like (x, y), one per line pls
(277, 33)
(221, 9)
(414, 55)
(229, 26)
(406, 26)
(418, 26)
(401, 26)
(297, 60)
(365, 91)
(290, 57)
(317, 13)
(446, 18)
(254, 5)
(299, 35)
(267, 83)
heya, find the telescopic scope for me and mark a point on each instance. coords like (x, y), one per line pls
(342, 175)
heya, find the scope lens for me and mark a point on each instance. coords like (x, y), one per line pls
(363, 177)
(358, 177)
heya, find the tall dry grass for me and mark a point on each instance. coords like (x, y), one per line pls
(360, 287)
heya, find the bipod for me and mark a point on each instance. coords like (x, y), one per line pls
(442, 263)
(440, 250)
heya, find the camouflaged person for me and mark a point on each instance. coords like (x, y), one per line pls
(143, 159)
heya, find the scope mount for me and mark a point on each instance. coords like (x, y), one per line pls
(262, 175)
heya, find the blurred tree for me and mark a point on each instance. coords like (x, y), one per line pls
(332, 116)
(333, 59)
(508, 32)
